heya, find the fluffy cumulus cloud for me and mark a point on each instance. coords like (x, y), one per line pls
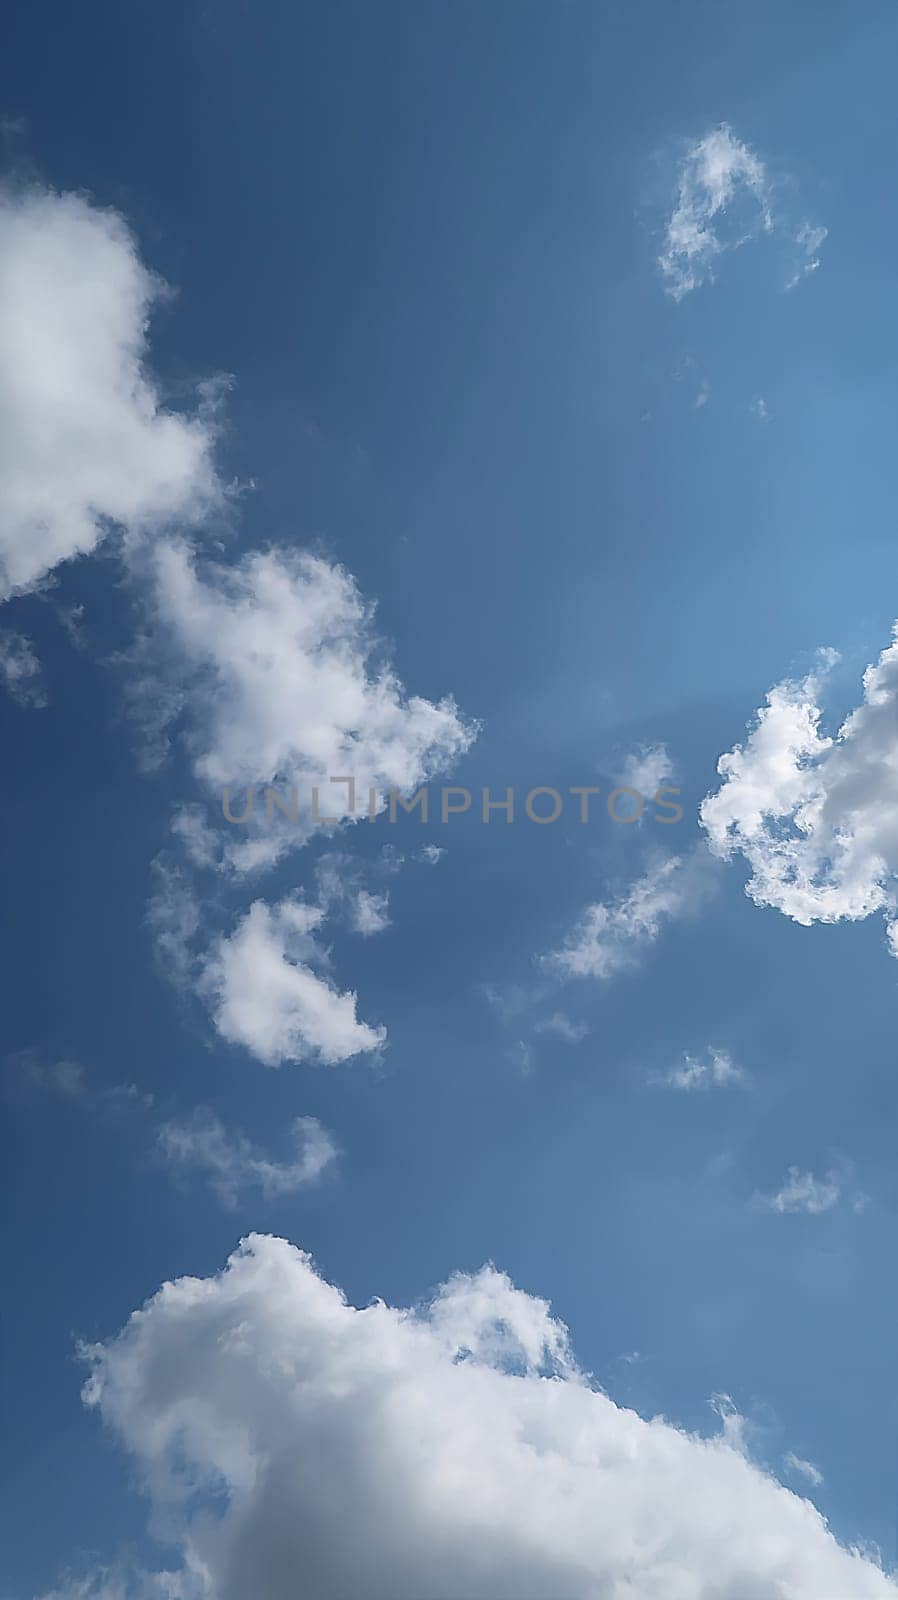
(265, 993)
(814, 815)
(611, 935)
(232, 1163)
(725, 197)
(86, 441)
(291, 1443)
(273, 668)
(281, 681)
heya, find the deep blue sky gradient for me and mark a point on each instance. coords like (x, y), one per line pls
(422, 238)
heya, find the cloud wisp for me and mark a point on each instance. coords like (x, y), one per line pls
(802, 1191)
(232, 1164)
(725, 198)
(20, 670)
(611, 935)
(715, 1069)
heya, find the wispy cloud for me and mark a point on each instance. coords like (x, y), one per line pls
(645, 768)
(610, 935)
(30, 1077)
(563, 1027)
(720, 176)
(20, 670)
(808, 242)
(716, 1069)
(725, 198)
(802, 1191)
(231, 1163)
(803, 1469)
(341, 890)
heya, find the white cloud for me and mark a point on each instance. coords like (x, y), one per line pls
(759, 409)
(85, 442)
(725, 197)
(340, 890)
(198, 839)
(563, 1027)
(645, 768)
(804, 1469)
(265, 983)
(175, 921)
(610, 936)
(431, 853)
(289, 1439)
(232, 1163)
(20, 670)
(280, 684)
(719, 174)
(801, 1191)
(813, 815)
(370, 912)
(265, 995)
(715, 1070)
(808, 240)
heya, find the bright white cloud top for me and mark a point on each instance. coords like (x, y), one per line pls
(265, 994)
(286, 683)
(86, 441)
(814, 815)
(289, 1442)
(281, 678)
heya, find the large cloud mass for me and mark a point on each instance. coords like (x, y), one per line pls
(294, 1445)
(84, 438)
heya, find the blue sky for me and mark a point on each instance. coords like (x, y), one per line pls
(422, 354)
